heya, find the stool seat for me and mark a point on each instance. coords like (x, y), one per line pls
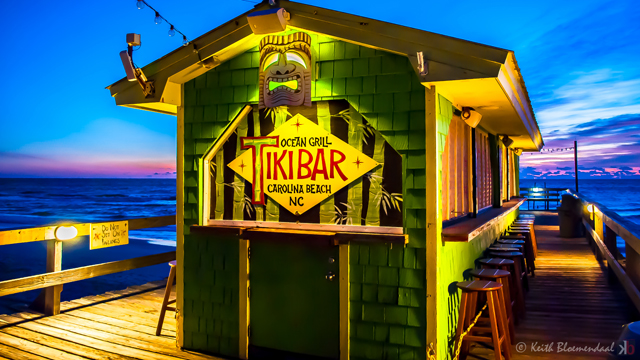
(496, 262)
(503, 249)
(507, 241)
(479, 285)
(489, 273)
(173, 263)
(504, 246)
(507, 253)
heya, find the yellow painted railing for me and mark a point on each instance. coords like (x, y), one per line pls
(52, 280)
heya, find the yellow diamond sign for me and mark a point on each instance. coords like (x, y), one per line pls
(299, 164)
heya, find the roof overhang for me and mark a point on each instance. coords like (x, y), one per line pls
(469, 74)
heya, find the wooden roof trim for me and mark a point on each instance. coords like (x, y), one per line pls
(474, 60)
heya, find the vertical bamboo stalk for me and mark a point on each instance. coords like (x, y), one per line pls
(238, 194)
(273, 209)
(373, 210)
(54, 263)
(324, 121)
(219, 212)
(256, 132)
(354, 196)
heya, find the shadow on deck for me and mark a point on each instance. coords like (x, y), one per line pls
(571, 302)
(115, 325)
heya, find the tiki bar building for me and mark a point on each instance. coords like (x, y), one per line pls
(336, 175)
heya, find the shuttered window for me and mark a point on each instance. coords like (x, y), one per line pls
(456, 171)
(484, 191)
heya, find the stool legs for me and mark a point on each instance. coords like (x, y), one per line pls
(165, 301)
(496, 318)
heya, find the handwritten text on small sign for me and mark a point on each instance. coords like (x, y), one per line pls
(109, 234)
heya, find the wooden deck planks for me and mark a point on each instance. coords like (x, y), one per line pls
(117, 325)
(570, 301)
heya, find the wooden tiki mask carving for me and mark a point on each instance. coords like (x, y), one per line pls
(285, 70)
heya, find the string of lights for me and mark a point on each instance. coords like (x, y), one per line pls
(159, 19)
(551, 150)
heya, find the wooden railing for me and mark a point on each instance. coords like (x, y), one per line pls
(603, 226)
(53, 279)
(546, 196)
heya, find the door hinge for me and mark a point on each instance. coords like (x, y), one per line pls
(249, 292)
(249, 331)
(249, 253)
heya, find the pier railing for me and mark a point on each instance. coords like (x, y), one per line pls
(603, 227)
(55, 277)
(546, 196)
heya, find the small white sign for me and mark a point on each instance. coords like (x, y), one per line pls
(109, 234)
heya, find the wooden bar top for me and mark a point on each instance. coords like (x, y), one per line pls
(469, 229)
(338, 237)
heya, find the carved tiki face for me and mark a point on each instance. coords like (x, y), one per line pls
(285, 70)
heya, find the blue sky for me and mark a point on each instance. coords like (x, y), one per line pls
(579, 60)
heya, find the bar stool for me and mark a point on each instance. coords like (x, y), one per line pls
(167, 294)
(529, 249)
(497, 318)
(519, 264)
(531, 229)
(502, 277)
(517, 292)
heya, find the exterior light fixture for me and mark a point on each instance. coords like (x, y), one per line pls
(172, 31)
(507, 141)
(158, 19)
(140, 4)
(590, 208)
(65, 232)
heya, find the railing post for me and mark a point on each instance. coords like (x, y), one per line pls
(599, 229)
(633, 265)
(609, 240)
(54, 263)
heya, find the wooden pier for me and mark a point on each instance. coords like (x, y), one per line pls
(571, 303)
(115, 325)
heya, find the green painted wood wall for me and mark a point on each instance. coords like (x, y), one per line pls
(387, 284)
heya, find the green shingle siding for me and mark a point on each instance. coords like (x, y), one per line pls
(387, 301)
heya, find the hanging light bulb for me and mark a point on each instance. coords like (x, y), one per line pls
(185, 42)
(140, 4)
(158, 18)
(172, 31)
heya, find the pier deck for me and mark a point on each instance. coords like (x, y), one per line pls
(571, 301)
(115, 325)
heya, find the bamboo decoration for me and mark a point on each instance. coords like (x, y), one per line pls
(279, 116)
(375, 180)
(354, 197)
(219, 173)
(238, 182)
(324, 121)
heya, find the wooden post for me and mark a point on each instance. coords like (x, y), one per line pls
(180, 225)
(434, 218)
(633, 265)
(609, 240)
(575, 161)
(243, 341)
(54, 263)
(495, 170)
(599, 229)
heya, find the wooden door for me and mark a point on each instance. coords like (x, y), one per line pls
(294, 302)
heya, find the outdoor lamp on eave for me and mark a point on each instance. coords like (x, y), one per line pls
(65, 232)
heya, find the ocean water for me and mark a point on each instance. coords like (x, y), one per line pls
(28, 203)
(36, 202)
(619, 195)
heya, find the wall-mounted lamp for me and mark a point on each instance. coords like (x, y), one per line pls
(133, 73)
(517, 152)
(590, 208)
(470, 116)
(507, 141)
(65, 232)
